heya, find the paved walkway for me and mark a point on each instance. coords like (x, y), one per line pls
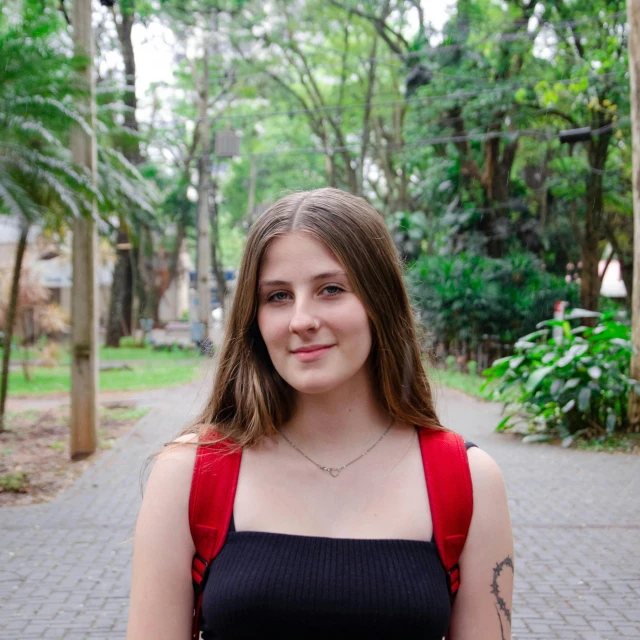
(65, 566)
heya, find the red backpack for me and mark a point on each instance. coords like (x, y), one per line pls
(213, 490)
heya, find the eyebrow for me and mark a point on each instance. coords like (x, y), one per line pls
(319, 276)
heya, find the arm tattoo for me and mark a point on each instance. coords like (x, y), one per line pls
(501, 606)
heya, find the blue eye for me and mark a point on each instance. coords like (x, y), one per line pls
(274, 297)
(335, 290)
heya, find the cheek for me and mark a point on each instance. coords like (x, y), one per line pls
(355, 322)
(271, 325)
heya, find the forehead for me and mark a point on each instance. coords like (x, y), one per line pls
(297, 254)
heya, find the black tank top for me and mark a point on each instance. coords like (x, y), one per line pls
(289, 586)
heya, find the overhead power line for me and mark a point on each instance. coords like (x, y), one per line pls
(458, 95)
(542, 133)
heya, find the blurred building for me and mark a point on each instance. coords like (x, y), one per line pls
(50, 260)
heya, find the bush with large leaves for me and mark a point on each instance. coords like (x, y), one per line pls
(461, 298)
(578, 385)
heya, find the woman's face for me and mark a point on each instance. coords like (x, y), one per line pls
(314, 326)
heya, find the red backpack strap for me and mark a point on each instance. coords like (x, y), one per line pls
(446, 468)
(213, 489)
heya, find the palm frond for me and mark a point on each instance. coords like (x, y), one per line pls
(15, 198)
(61, 108)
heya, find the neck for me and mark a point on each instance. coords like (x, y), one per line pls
(339, 423)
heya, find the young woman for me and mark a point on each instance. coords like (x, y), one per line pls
(321, 383)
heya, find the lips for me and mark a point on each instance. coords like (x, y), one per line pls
(311, 348)
(311, 352)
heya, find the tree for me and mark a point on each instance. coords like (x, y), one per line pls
(39, 183)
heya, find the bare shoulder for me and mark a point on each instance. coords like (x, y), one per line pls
(485, 472)
(490, 504)
(170, 479)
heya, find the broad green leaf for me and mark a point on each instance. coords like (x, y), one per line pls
(595, 372)
(504, 423)
(582, 313)
(535, 334)
(537, 377)
(556, 386)
(583, 398)
(572, 383)
(567, 407)
(567, 442)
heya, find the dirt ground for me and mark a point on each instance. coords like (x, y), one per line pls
(34, 450)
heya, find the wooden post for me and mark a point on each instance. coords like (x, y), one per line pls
(84, 317)
(204, 184)
(633, 18)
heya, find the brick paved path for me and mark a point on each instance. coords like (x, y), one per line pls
(65, 566)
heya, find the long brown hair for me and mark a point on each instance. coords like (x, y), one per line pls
(250, 400)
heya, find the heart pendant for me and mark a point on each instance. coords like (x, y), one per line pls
(334, 472)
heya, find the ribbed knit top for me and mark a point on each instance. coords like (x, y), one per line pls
(285, 586)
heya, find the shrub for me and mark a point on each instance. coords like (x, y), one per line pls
(14, 482)
(131, 342)
(463, 298)
(577, 386)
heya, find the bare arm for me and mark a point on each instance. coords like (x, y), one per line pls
(482, 609)
(161, 604)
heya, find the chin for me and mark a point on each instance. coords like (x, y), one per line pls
(315, 385)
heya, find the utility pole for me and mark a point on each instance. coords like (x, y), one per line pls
(633, 18)
(204, 180)
(84, 317)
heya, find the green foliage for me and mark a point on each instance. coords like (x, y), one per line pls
(611, 443)
(176, 347)
(14, 482)
(578, 386)
(128, 342)
(469, 384)
(463, 298)
(37, 114)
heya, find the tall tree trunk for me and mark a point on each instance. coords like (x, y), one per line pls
(10, 319)
(116, 319)
(590, 249)
(216, 254)
(148, 287)
(597, 151)
(120, 311)
(626, 271)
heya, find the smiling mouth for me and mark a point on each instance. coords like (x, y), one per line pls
(309, 354)
(313, 348)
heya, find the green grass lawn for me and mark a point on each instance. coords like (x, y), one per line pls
(146, 353)
(111, 353)
(456, 380)
(58, 379)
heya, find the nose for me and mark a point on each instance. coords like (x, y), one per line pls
(303, 318)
